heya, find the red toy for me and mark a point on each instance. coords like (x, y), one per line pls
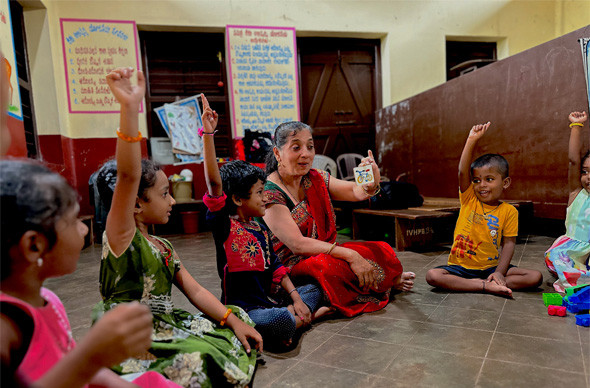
(556, 310)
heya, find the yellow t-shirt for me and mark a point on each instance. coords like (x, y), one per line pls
(479, 231)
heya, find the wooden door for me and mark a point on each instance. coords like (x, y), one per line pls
(340, 91)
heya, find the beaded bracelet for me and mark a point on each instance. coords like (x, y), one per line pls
(129, 139)
(227, 313)
(377, 190)
(201, 132)
(579, 124)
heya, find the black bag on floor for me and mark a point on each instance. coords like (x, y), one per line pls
(397, 195)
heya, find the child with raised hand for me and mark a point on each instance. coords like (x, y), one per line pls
(486, 230)
(246, 262)
(567, 258)
(209, 349)
(41, 238)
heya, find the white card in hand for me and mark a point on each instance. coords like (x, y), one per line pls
(363, 175)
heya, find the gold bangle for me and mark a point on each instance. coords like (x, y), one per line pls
(331, 248)
(129, 139)
(579, 124)
(227, 313)
(377, 190)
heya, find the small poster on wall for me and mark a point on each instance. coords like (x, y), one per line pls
(9, 61)
(91, 49)
(264, 89)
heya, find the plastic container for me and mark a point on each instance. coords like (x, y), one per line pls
(182, 191)
(190, 222)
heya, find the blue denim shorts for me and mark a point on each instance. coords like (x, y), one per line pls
(463, 272)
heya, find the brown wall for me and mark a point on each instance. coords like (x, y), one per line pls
(527, 97)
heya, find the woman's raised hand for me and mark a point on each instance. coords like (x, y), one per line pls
(127, 94)
(370, 160)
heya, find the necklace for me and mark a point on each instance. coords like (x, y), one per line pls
(295, 197)
(491, 211)
(167, 251)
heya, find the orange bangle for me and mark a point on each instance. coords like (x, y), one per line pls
(129, 139)
(227, 313)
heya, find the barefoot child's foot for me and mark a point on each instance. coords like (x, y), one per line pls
(496, 289)
(405, 281)
(323, 312)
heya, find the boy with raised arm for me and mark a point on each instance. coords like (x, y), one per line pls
(486, 230)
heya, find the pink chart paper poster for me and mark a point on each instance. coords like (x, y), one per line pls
(264, 89)
(91, 49)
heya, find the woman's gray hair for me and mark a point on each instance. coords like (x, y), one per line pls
(280, 138)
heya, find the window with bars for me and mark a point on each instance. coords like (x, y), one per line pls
(24, 79)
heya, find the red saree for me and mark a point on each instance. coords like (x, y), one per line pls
(316, 219)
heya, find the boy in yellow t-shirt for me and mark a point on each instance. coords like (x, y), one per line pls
(486, 230)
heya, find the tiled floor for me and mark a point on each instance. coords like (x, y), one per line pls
(424, 338)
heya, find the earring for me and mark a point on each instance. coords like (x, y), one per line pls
(40, 262)
(278, 163)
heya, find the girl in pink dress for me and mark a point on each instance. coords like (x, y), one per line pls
(41, 237)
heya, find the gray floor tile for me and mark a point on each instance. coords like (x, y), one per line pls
(273, 369)
(333, 325)
(407, 311)
(309, 341)
(456, 340)
(431, 368)
(381, 329)
(543, 326)
(541, 352)
(505, 374)
(525, 306)
(474, 301)
(473, 319)
(355, 354)
(422, 293)
(306, 374)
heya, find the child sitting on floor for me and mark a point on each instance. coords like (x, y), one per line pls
(42, 238)
(209, 349)
(567, 258)
(246, 261)
(485, 235)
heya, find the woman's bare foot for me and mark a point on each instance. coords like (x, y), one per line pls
(405, 281)
(496, 289)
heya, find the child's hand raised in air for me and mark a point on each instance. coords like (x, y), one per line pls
(577, 117)
(125, 92)
(478, 130)
(209, 116)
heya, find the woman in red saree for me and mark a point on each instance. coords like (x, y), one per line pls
(356, 277)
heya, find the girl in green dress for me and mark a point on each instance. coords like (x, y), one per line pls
(210, 348)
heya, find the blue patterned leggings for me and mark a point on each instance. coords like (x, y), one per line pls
(277, 322)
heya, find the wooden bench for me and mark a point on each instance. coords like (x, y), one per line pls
(413, 227)
(417, 226)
